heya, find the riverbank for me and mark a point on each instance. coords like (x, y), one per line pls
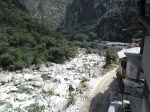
(50, 87)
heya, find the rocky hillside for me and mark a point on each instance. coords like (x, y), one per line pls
(91, 20)
(49, 12)
(100, 19)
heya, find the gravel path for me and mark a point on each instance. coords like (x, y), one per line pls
(98, 100)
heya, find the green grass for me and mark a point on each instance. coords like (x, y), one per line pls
(17, 110)
(83, 82)
(36, 108)
(108, 68)
(32, 108)
(48, 93)
(71, 99)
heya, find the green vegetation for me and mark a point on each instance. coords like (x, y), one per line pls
(50, 93)
(111, 55)
(108, 68)
(104, 22)
(24, 41)
(32, 108)
(111, 59)
(85, 39)
(83, 82)
(17, 110)
(36, 108)
(49, 12)
(71, 99)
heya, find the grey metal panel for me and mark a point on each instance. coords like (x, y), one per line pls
(131, 69)
(146, 60)
(145, 106)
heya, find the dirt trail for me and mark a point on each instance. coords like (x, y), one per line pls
(98, 100)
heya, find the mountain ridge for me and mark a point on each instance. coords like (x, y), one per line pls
(48, 12)
(104, 18)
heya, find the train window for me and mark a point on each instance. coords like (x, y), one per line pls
(123, 64)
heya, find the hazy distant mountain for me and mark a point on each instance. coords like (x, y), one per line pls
(49, 12)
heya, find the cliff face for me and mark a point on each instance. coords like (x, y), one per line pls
(83, 11)
(49, 12)
(106, 18)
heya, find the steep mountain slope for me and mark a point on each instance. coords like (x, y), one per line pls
(49, 12)
(100, 19)
(24, 41)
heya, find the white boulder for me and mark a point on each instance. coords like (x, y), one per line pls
(22, 97)
(18, 76)
(4, 96)
(37, 78)
(37, 83)
(5, 78)
(27, 70)
(43, 68)
(28, 76)
(48, 86)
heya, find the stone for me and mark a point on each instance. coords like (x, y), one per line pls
(27, 70)
(48, 86)
(55, 80)
(35, 67)
(53, 74)
(26, 89)
(14, 89)
(28, 103)
(37, 78)
(58, 67)
(18, 76)
(5, 78)
(3, 96)
(52, 64)
(4, 89)
(18, 71)
(28, 77)
(37, 84)
(16, 82)
(83, 75)
(42, 102)
(62, 103)
(35, 72)
(70, 77)
(60, 89)
(71, 88)
(65, 80)
(22, 97)
(59, 79)
(58, 103)
(54, 70)
(43, 68)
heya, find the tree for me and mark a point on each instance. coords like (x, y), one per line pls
(111, 55)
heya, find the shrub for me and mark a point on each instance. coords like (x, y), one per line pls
(24, 41)
(71, 99)
(36, 108)
(108, 68)
(111, 55)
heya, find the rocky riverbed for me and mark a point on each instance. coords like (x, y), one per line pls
(50, 87)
